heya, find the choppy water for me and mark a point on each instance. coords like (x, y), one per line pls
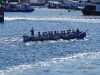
(62, 57)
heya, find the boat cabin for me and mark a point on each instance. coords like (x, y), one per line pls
(76, 4)
(54, 4)
(18, 7)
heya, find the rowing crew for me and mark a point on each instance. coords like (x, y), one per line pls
(56, 33)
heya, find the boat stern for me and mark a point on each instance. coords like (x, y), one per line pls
(26, 38)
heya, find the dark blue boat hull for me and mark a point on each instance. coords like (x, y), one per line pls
(88, 12)
(1, 19)
(68, 37)
(11, 10)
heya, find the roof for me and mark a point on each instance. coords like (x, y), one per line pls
(55, 2)
(13, 3)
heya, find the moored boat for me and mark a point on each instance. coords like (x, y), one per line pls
(18, 7)
(54, 4)
(91, 8)
(56, 36)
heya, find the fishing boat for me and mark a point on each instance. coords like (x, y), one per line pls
(91, 8)
(55, 36)
(18, 7)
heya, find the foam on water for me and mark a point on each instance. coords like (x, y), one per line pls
(73, 19)
(10, 40)
(75, 59)
(19, 68)
(51, 41)
(61, 57)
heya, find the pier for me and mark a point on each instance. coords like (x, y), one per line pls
(1, 14)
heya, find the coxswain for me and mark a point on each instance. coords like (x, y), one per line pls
(32, 32)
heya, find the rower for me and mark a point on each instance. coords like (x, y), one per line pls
(32, 32)
(64, 33)
(58, 33)
(73, 32)
(54, 32)
(39, 35)
(43, 34)
(77, 31)
(68, 32)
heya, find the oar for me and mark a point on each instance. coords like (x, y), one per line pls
(86, 30)
(83, 32)
(21, 37)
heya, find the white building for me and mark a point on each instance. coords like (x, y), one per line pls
(36, 1)
(33, 1)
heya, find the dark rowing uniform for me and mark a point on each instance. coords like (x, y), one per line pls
(32, 32)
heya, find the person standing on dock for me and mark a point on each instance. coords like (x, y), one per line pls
(32, 32)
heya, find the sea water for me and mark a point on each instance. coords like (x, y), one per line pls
(61, 57)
